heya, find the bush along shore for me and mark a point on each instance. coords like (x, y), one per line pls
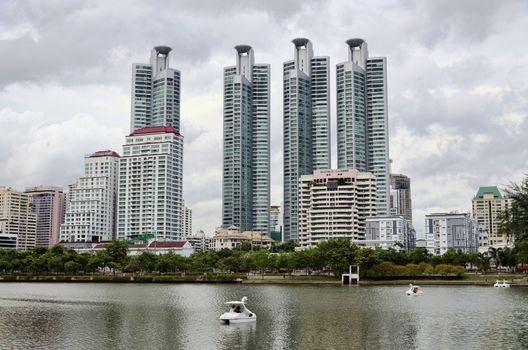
(282, 264)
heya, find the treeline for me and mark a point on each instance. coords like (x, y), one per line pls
(330, 258)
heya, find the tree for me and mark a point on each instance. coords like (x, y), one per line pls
(419, 255)
(147, 261)
(117, 252)
(514, 220)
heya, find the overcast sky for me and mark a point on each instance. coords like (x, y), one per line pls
(457, 85)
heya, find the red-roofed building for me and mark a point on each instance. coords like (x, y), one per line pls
(151, 186)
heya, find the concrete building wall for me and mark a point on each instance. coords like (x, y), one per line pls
(17, 219)
(335, 204)
(91, 205)
(150, 185)
(48, 202)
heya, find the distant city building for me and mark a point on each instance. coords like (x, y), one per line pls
(182, 248)
(187, 221)
(18, 223)
(306, 112)
(335, 204)
(91, 201)
(150, 185)
(155, 92)
(199, 241)
(362, 119)
(389, 232)
(48, 202)
(487, 204)
(400, 196)
(275, 212)
(246, 160)
(450, 230)
(231, 238)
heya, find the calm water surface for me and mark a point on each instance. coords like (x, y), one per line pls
(153, 316)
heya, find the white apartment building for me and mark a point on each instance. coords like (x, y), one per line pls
(48, 202)
(335, 203)
(186, 221)
(150, 184)
(451, 230)
(389, 232)
(17, 220)
(199, 241)
(90, 208)
(231, 238)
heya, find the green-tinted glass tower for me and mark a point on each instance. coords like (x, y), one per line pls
(246, 161)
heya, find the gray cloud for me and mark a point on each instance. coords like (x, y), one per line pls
(457, 85)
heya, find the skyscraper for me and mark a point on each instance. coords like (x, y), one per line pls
(48, 203)
(90, 208)
(306, 111)
(400, 196)
(362, 122)
(246, 161)
(150, 185)
(155, 92)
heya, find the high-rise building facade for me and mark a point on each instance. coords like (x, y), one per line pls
(91, 204)
(400, 196)
(155, 92)
(48, 203)
(335, 204)
(187, 221)
(487, 204)
(17, 219)
(150, 185)
(451, 230)
(306, 112)
(362, 120)
(246, 160)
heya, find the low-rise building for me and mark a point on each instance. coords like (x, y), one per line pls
(17, 219)
(231, 238)
(451, 230)
(199, 241)
(182, 248)
(335, 204)
(389, 232)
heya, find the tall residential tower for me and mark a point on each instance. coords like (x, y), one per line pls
(155, 92)
(306, 111)
(246, 161)
(362, 122)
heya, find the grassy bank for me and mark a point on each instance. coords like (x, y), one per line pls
(119, 278)
(467, 279)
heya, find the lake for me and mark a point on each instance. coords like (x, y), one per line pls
(185, 316)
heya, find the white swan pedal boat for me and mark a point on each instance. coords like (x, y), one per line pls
(414, 290)
(502, 284)
(238, 313)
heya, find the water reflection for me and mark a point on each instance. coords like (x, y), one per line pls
(82, 316)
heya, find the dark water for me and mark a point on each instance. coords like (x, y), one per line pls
(130, 316)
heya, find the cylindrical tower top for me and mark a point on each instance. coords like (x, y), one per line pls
(243, 48)
(356, 42)
(164, 50)
(299, 42)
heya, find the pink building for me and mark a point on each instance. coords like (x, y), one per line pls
(48, 203)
